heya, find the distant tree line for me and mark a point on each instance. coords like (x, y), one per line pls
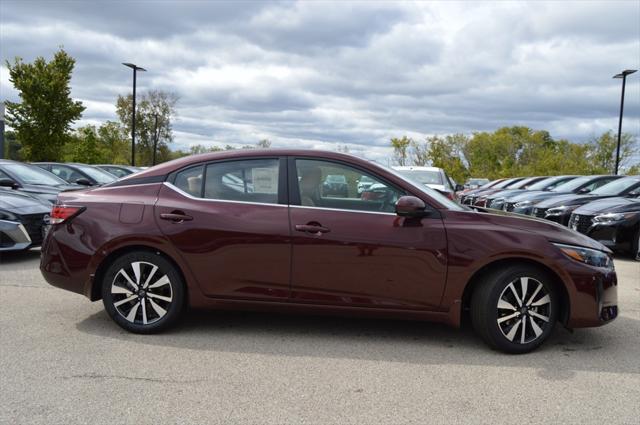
(516, 151)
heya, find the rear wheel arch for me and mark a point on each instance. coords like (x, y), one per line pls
(96, 285)
(491, 267)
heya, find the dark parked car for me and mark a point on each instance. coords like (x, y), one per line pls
(82, 174)
(488, 195)
(503, 200)
(118, 170)
(22, 220)
(32, 180)
(524, 203)
(335, 185)
(559, 208)
(470, 198)
(462, 193)
(614, 222)
(177, 235)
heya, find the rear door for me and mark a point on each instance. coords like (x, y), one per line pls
(229, 221)
(353, 250)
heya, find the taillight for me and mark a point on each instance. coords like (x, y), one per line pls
(62, 213)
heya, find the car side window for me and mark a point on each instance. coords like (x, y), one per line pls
(4, 175)
(253, 180)
(593, 186)
(65, 173)
(326, 184)
(190, 180)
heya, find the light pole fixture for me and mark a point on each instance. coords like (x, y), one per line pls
(622, 75)
(135, 68)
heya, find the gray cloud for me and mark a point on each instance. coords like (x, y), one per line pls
(315, 74)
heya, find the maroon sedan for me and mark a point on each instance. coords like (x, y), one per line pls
(253, 229)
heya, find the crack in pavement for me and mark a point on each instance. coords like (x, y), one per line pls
(132, 378)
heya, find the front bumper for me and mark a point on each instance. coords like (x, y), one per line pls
(616, 235)
(13, 236)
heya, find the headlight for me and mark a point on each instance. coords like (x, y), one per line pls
(6, 215)
(612, 217)
(587, 255)
(560, 210)
(523, 204)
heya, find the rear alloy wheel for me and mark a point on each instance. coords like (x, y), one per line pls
(515, 309)
(142, 292)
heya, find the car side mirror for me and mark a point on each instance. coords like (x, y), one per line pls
(9, 183)
(459, 187)
(410, 206)
(83, 182)
(584, 190)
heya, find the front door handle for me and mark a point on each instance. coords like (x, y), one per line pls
(176, 216)
(316, 229)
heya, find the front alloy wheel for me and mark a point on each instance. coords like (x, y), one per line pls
(514, 309)
(143, 292)
(523, 310)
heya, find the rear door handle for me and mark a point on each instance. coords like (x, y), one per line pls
(177, 217)
(312, 228)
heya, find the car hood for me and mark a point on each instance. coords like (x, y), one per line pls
(551, 231)
(572, 199)
(610, 205)
(536, 196)
(49, 193)
(22, 204)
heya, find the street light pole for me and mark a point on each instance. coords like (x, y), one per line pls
(622, 75)
(133, 112)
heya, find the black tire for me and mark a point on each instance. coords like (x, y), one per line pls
(635, 246)
(158, 293)
(495, 322)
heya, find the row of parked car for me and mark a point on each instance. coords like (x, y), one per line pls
(604, 207)
(27, 192)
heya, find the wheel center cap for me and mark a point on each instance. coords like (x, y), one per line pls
(524, 310)
(142, 293)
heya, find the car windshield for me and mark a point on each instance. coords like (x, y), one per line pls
(522, 183)
(422, 176)
(573, 184)
(102, 177)
(617, 187)
(504, 184)
(431, 192)
(546, 183)
(478, 182)
(30, 174)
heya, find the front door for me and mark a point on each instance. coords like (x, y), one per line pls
(229, 221)
(350, 248)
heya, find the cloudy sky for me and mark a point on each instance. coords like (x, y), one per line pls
(318, 74)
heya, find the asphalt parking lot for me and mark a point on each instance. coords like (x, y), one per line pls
(63, 361)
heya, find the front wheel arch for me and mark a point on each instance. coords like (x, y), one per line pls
(565, 306)
(96, 284)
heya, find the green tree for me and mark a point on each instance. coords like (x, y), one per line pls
(264, 144)
(43, 117)
(84, 146)
(115, 143)
(401, 149)
(149, 105)
(602, 151)
(12, 148)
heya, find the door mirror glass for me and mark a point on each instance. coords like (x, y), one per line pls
(410, 206)
(8, 183)
(83, 182)
(459, 187)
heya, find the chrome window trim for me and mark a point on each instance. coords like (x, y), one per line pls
(197, 198)
(343, 210)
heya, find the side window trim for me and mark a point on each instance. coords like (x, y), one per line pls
(282, 194)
